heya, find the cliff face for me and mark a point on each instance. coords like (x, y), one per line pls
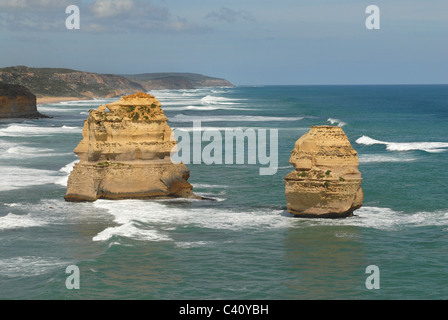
(17, 102)
(165, 83)
(125, 154)
(326, 181)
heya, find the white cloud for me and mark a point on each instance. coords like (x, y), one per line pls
(110, 8)
(12, 4)
(28, 5)
(97, 16)
(134, 16)
(229, 15)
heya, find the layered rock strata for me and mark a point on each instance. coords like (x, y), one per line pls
(326, 182)
(17, 101)
(125, 154)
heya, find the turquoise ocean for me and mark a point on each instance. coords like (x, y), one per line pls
(243, 244)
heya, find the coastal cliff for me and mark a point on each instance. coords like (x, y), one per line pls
(326, 182)
(60, 82)
(17, 102)
(157, 81)
(125, 154)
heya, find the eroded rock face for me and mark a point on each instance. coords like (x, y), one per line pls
(326, 182)
(17, 102)
(125, 154)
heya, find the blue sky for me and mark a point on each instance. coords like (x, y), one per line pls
(247, 42)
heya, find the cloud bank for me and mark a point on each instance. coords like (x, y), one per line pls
(98, 16)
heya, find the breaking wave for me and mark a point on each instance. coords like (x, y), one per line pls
(29, 266)
(12, 151)
(377, 158)
(66, 170)
(153, 221)
(206, 108)
(340, 123)
(17, 177)
(17, 130)
(432, 147)
(219, 100)
(15, 221)
(385, 219)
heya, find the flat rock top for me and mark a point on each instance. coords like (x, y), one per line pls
(136, 99)
(12, 90)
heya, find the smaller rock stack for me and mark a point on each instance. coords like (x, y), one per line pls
(326, 182)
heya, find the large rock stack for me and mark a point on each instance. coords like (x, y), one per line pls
(326, 182)
(125, 154)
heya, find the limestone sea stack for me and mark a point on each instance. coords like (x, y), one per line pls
(125, 154)
(326, 182)
(17, 101)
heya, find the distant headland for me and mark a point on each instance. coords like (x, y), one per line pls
(57, 84)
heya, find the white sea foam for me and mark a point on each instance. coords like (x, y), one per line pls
(231, 118)
(17, 177)
(67, 170)
(23, 130)
(212, 196)
(69, 167)
(13, 151)
(207, 108)
(377, 158)
(92, 102)
(152, 220)
(192, 244)
(12, 205)
(286, 167)
(432, 147)
(384, 219)
(340, 123)
(198, 97)
(211, 186)
(176, 94)
(178, 97)
(131, 230)
(29, 266)
(14, 221)
(48, 109)
(219, 100)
